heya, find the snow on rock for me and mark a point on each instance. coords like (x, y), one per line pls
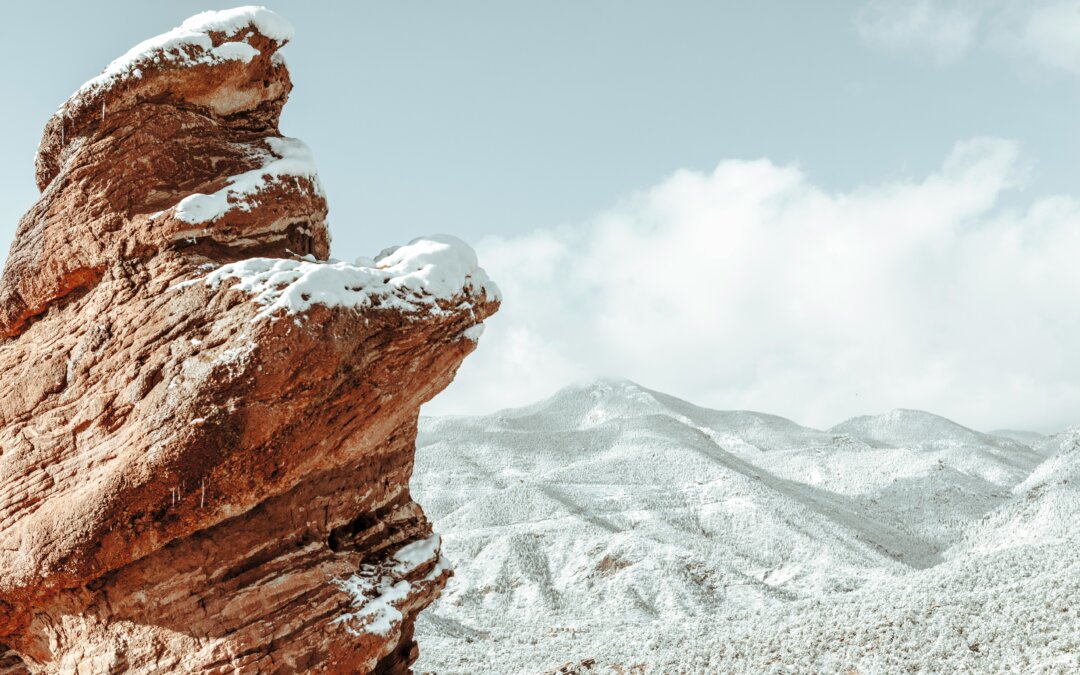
(204, 441)
(420, 275)
(376, 597)
(232, 21)
(214, 172)
(417, 553)
(289, 158)
(474, 332)
(379, 591)
(191, 44)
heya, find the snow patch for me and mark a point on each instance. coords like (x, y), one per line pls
(232, 21)
(190, 44)
(420, 275)
(417, 553)
(377, 595)
(288, 158)
(377, 614)
(474, 332)
(235, 51)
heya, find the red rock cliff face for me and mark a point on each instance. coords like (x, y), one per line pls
(207, 431)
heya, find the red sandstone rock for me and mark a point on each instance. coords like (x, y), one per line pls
(204, 466)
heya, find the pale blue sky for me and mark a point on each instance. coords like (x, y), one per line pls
(495, 117)
(909, 238)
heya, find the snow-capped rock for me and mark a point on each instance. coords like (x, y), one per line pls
(206, 426)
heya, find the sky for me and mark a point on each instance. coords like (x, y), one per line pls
(816, 210)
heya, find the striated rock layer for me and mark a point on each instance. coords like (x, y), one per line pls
(206, 428)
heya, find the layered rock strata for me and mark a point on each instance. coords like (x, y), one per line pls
(206, 427)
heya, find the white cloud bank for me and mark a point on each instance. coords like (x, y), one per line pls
(947, 30)
(750, 287)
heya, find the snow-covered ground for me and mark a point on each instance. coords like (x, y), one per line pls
(630, 531)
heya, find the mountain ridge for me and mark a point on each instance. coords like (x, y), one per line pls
(611, 499)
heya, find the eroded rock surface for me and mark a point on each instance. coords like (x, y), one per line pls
(206, 428)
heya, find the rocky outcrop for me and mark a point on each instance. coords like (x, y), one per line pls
(206, 427)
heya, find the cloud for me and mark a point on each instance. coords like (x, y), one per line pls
(942, 31)
(751, 287)
(1052, 34)
(945, 31)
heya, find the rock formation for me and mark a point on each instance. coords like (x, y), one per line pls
(206, 427)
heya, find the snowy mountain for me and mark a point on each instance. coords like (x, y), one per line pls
(916, 428)
(996, 459)
(610, 512)
(1029, 438)
(1044, 509)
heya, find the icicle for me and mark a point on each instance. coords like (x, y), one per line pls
(103, 111)
(202, 499)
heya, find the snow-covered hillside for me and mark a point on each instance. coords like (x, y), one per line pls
(1045, 508)
(620, 525)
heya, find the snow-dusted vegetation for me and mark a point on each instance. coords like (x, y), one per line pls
(614, 528)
